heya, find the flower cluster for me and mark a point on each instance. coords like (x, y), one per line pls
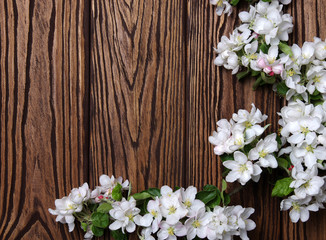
(165, 214)
(259, 46)
(304, 133)
(265, 24)
(225, 6)
(240, 138)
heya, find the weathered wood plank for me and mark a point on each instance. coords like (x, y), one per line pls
(44, 62)
(215, 94)
(138, 91)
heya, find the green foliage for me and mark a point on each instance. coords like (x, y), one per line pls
(104, 208)
(116, 192)
(258, 82)
(267, 79)
(84, 226)
(98, 232)
(285, 48)
(100, 220)
(281, 89)
(282, 187)
(210, 195)
(263, 47)
(118, 235)
(243, 74)
(155, 192)
(226, 157)
(142, 195)
(227, 199)
(283, 163)
(234, 2)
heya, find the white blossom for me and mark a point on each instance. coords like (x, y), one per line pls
(123, 213)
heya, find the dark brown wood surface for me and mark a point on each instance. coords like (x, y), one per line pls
(126, 88)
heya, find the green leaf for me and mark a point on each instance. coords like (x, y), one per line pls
(226, 157)
(155, 192)
(234, 2)
(142, 205)
(216, 201)
(104, 208)
(264, 48)
(267, 79)
(282, 89)
(92, 207)
(254, 73)
(84, 226)
(209, 188)
(227, 199)
(224, 185)
(318, 96)
(278, 140)
(141, 196)
(225, 172)
(118, 235)
(257, 83)
(282, 187)
(100, 220)
(206, 196)
(98, 232)
(247, 148)
(176, 188)
(285, 49)
(243, 74)
(283, 163)
(116, 192)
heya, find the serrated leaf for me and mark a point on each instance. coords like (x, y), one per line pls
(142, 195)
(282, 187)
(100, 220)
(104, 208)
(98, 232)
(285, 49)
(116, 192)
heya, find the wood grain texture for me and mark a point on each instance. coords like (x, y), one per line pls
(126, 88)
(44, 113)
(138, 91)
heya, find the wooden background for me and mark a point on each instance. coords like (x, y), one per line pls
(123, 87)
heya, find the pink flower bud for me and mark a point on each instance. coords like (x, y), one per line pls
(278, 69)
(261, 63)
